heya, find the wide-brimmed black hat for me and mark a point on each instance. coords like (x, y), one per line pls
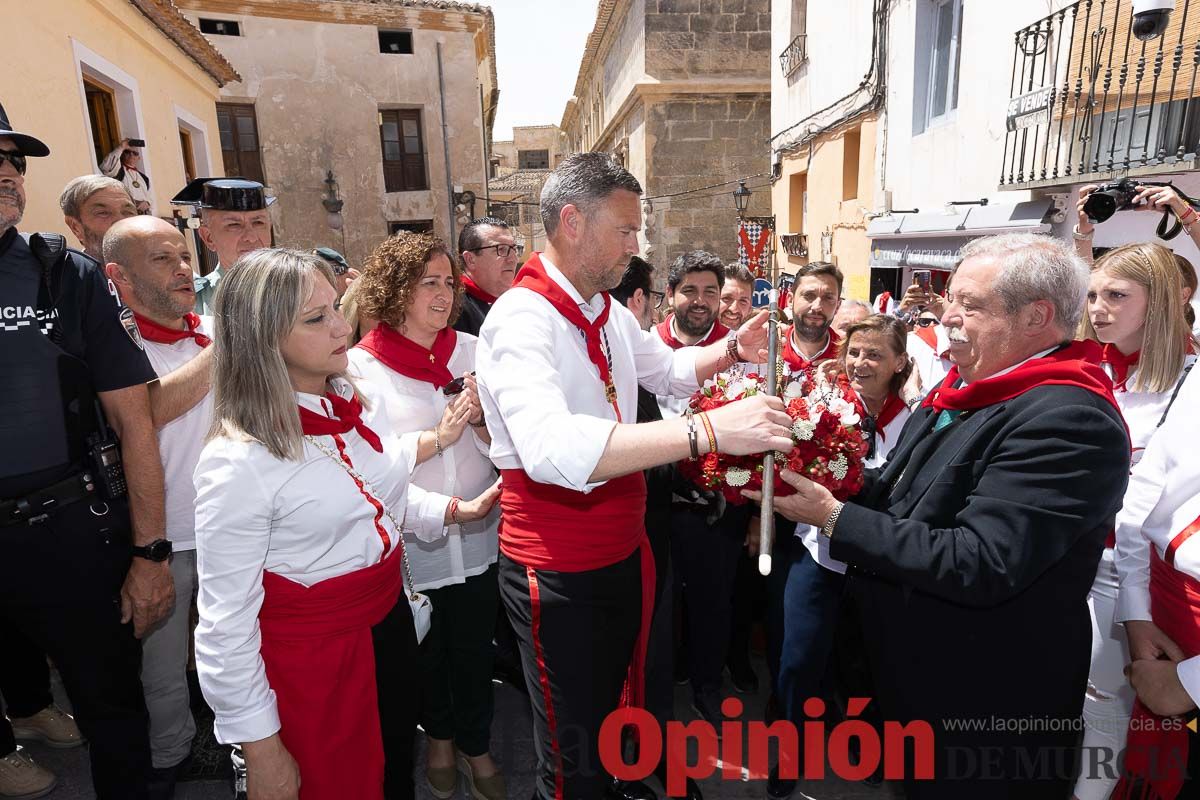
(28, 145)
(224, 194)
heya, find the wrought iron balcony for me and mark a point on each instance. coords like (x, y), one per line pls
(795, 244)
(794, 55)
(1091, 101)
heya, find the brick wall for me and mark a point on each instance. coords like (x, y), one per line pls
(694, 38)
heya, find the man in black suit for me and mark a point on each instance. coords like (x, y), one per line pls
(975, 546)
(490, 255)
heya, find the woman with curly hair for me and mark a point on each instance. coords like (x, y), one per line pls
(412, 286)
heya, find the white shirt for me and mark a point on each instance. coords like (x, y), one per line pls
(810, 535)
(134, 181)
(669, 406)
(545, 404)
(1162, 500)
(415, 406)
(929, 363)
(181, 440)
(303, 520)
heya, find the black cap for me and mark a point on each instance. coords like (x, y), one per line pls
(28, 145)
(333, 257)
(224, 194)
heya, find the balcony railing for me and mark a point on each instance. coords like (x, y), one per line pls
(794, 55)
(1089, 100)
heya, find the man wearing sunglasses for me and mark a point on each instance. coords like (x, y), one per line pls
(77, 530)
(490, 256)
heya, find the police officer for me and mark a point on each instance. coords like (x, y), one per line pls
(81, 555)
(233, 221)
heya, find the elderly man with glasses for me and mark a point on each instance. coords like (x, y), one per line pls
(490, 256)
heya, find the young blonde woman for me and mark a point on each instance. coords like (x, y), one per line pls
(302, 501)
(425, 369)
(1135, 311)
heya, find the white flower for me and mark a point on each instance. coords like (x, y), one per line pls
(850, 418)
(839, 466)
(803, 429)
(793, 390)
(736, 476)
(749, 387)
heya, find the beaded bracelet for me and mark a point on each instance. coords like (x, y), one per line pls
(437, 441)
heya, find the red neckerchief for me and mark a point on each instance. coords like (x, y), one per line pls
(1072, 365)
(153, 332)
(891, 409)
(929, 337)
(401, 354)
(473, 289)
(347, 416)
(533, 277)
(796, 360)
(1120, 364)
(665, 333)
(881, 303)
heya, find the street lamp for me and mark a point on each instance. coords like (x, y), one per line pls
(333, 204)
(741, 198)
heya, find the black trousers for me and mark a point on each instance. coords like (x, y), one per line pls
(60, 583)
(576, 658)
(24, 684)
(705, 560)
(396, 672)
(456, 663)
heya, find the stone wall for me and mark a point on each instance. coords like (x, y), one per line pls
(693, 142)
(697, 38)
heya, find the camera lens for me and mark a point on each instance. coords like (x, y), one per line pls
(1100, 206)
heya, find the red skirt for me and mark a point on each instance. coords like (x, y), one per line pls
(320, 662)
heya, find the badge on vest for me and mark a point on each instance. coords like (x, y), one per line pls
(131, 328)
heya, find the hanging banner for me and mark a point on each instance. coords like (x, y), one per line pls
(753, 241)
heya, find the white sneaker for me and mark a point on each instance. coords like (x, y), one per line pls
(22, 779)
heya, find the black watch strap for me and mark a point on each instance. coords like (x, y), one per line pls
(159, 550)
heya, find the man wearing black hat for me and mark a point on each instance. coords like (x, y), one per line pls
(82, 552)
(233, 221)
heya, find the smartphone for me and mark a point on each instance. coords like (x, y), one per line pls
(137, 142)
(922, 278)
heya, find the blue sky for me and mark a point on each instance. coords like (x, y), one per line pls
(539, 44)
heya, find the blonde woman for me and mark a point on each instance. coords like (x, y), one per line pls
(425, 368)
(1135, 311)
(301, 494)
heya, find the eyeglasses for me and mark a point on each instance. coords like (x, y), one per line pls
(502, 250)
(14, 158)
(925, 322)
(657, 298)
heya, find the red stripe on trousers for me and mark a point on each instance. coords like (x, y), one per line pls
(535, 605)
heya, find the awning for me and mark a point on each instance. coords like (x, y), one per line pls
(933, 240)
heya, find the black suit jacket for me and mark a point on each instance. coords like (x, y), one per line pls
(974, 550)
(472, 316)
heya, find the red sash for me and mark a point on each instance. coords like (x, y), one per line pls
(1071, 365)
(533, 277)
(1157, 755)
(320, 662)
(553, 528)
(401, 354)
(473, 289)
(891, 409)
(153, 332)
(665, 333)
(796, 360)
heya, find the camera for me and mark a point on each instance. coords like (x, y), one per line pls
(1109, 199)
(1150, 18)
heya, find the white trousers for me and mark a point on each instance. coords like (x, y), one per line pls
(1108, 703)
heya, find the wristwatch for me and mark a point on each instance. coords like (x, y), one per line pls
(159, 550)
(827, 528)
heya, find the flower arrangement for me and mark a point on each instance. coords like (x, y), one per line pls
(830, 444)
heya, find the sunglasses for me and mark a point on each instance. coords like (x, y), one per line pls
(14, 158)
(456, 386)
(502, 250)
(925, 322)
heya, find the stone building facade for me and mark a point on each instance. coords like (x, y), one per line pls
(679, 91)
(351, 87)
(519, 169)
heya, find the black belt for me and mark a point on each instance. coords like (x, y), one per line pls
(39, 505)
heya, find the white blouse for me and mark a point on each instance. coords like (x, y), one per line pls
(818, 545)
(303, 520)
(463, 469)
(545, 406)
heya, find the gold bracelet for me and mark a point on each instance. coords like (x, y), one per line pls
(708, 428)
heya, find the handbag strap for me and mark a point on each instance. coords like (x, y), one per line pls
(356, 475)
